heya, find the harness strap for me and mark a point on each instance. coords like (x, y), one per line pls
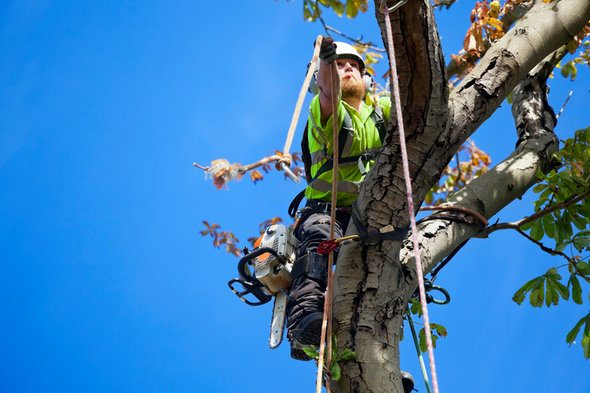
(374, 236)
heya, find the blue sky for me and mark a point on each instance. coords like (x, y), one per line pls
(106, 285)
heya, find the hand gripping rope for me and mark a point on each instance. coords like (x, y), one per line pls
(400, 121)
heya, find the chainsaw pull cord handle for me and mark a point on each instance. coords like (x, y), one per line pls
(285, 162)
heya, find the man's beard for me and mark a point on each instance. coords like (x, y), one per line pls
(352, 88)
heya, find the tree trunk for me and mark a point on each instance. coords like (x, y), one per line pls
(372, 285)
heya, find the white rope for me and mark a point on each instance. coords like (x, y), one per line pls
(402, 138)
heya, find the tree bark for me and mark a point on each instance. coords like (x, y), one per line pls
(372, 286)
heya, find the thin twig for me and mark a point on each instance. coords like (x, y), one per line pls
(517, 224)
(545, 248)
(359, 40)
(205, 168)
(552, 251)
(564, 104)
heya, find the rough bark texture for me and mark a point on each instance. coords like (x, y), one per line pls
(372, 286)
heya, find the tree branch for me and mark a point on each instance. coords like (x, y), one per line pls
(547, 249)
(517, 224)
(541, 31)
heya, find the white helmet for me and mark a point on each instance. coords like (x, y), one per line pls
(344, 50)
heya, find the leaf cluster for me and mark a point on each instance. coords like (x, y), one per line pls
(562, 213)
(571, 336)
(548, 289)
(487, 26)
(489, 22)
(222, 238)
(436, 329)
(313, 9)
(563, 202)
(337, 358)
(582, 42)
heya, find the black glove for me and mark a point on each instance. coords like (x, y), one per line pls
(328, 50)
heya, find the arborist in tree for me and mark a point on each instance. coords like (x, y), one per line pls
(361, 117)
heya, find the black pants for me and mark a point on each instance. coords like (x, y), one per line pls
(307, 294)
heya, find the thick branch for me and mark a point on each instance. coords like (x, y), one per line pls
(493, 190)
(540, 32)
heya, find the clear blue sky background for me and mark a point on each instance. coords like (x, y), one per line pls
(106, 285)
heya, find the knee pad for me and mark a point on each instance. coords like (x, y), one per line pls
(311, 265)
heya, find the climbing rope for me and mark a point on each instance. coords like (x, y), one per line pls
(326, 336)
(400, 121)
(286, 160)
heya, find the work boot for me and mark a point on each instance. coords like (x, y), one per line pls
(305, 304)
(407, 382)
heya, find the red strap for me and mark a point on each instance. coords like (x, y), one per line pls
(326, 246)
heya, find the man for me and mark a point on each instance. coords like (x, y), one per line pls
(361, 122)
(361, 119)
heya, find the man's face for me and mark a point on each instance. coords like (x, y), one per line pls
(351, 78)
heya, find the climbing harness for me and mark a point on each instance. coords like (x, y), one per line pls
(345, 132)
(402, 138)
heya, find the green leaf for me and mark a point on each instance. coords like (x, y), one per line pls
(422, 340)
(586, 346)
(351, 9)
(538, 295)
(562, 289)
(520, 294)
(571, 336)
(347, 354)
(582, 240)
(336, 372)
(549, 226)
(539, 187)
(584, 268)
(440, 329)
(551, 294)
(527, 226)
(576, 289)
(569, 70)
(537, 231)
(312, 352)
(337, 6)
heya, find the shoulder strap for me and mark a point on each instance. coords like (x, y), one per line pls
(343, 136)
(380, 121)
(306, 155)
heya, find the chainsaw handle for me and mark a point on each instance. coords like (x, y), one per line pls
(253, 288)
(248, 257)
